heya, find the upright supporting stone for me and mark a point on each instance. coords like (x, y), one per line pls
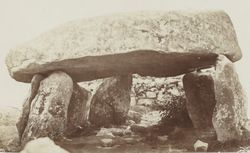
(48, 111)
(110, 104)
(199, 90)
(230, 110)
(78, 110)
(217, 97)
(23, 119)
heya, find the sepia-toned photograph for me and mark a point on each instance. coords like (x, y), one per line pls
(124, 76)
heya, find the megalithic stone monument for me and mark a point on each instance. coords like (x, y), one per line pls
(159, 44)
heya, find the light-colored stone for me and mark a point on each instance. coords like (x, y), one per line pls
(23, 119)
(148, 43)
(49, 108)
(151, 94)
(163, 139)
(42, 145)
(110, 104)
(8, 115)
(200, 146)
(133, 101)
(135, 116)
(9, 138)
(145, 102)
(107, 142)
(104, 132)
(231, 104)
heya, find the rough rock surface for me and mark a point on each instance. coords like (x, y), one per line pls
(169, 98)
(8, 115)
(199, 90)
(42, 145)
(110, 104)
(200, 146)
(149, 43)
(48, 111)
(230, 109)
(9, 138)
(78, 110)
(23, 119)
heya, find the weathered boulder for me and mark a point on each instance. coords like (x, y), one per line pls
(148, 43)
(78, 110)
(199, 91)
(24, 116)
(42, 145)
(110, 104)
(9, 138)
(48, 111)
(8, 115)
(230, 110)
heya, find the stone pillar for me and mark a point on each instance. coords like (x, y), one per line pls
(78, 111)
(110, 104)
(48, 110)
(230, 110)
(56, 107)
(217, 97)
(23, 119)
(199, 90)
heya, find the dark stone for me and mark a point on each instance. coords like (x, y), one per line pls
(110, 104)
(78, 111)
(199, 90)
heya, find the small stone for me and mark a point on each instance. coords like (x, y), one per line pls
(150, 94)
(133, 101)
(135, 116)
(145, 102)
(130, 140)
(128, 131)
(105, 133)
(107, 142)
(200, 146)
(160, 96)
(42, 145)
(163, 138)
(129, 122)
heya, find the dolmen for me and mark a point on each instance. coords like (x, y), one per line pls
(202, 46)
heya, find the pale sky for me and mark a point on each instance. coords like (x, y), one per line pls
(22, 20)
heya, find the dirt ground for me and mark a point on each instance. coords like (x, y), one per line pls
(181, 141)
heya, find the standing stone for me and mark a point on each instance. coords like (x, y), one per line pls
(230, 109)
(48, 111)
(199, 90)
(110, 104)
(78, 110)
(23, 119)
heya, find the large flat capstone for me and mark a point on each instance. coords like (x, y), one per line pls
(149, 43)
